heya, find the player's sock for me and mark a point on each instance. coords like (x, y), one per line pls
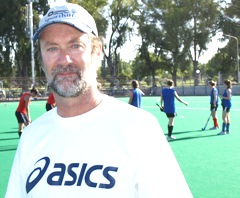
(170, 129)
(227, 126)
(223, 126)
(19, 133)
(215, 121)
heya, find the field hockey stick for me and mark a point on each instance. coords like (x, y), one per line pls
(161, 108)
(203, 129)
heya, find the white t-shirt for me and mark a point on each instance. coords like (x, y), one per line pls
(113, 151)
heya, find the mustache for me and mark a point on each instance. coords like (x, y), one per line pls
(64, 69)
(69, 86)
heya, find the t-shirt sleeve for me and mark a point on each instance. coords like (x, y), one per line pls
(15, 184)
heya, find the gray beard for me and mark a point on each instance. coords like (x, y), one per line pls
(68, 87)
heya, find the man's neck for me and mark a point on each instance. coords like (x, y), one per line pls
(70, 107)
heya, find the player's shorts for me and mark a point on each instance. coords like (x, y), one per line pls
(48, 107)
(171, 115)
(213, 108)
(21, 118)
(226, 109)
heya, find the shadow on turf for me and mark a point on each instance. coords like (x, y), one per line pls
(4, 139)
(203, 135)
(186, 131)
(8, 148)
(193, 137)
(7, 132)
(8, 138)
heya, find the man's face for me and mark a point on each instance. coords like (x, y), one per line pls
(66, 59)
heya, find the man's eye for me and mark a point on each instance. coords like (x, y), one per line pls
(77, 46)
(51, 49)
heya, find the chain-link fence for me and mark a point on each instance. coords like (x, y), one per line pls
(11, 88)
(14, 87)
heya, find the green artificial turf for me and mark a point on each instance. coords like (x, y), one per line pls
(210, 163)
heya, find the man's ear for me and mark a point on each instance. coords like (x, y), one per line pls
(99, 54)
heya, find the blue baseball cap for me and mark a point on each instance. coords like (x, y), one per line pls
(71, 14)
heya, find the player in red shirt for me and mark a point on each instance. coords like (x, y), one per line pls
(23, 112)
(50, 102)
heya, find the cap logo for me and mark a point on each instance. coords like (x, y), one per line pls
(60, 14)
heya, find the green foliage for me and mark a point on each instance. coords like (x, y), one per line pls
(96, 9)
(224, 63)
(15, 50)
(226, 58)
(174, 33)
(119, 17)
(125, 70)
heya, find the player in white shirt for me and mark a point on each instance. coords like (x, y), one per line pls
(91, 145)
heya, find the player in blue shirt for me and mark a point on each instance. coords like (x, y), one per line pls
(135, 97)
(226, 104)
(168, 98)
(213, 103)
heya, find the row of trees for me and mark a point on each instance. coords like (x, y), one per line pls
(174, 34)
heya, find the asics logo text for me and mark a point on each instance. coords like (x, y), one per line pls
(76, 174)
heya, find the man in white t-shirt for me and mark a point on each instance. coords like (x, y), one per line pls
(91, 145)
